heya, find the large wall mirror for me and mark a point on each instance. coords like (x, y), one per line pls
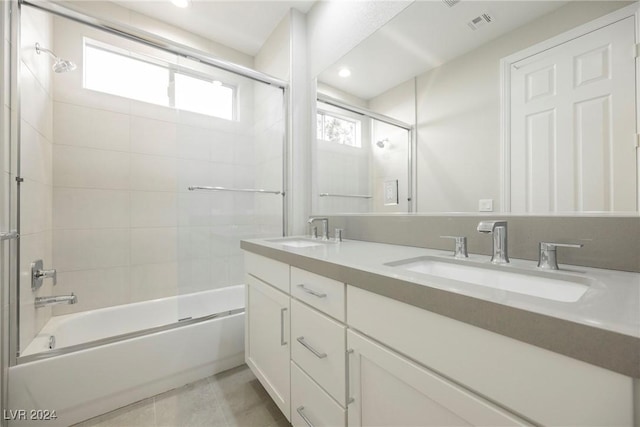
(515, 106)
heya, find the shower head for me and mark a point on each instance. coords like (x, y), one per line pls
(382, 142)
(61, 65)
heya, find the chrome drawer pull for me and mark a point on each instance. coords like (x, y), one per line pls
(311, 349)
(282, 341)
(300, 411)
(312, 292)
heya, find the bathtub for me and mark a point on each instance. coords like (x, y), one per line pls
(107, 358)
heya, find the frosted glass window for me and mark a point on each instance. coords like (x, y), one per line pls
(205, 97)
(167, 85)
(339, 130)
(120, 75)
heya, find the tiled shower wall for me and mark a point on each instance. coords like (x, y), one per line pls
(36, 135)
(125, 228)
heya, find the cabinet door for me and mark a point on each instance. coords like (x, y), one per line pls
(267, 339)
(387, 389)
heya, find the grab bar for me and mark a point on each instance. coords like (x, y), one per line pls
(9, 236)
(239, 190)
(359, 196)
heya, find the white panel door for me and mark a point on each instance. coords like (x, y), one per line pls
(573, 125)
(388, 390)
(267, 340)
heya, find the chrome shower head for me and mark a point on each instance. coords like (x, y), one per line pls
(61, 65)
(382, 142)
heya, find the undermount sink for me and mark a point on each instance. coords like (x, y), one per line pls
(297, 242)
(551, 286)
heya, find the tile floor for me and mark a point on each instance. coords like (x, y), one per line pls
(229, 399)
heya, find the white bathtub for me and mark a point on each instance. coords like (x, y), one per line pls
(85, 383)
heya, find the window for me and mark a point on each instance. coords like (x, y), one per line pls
(340, 130)
(117, 73)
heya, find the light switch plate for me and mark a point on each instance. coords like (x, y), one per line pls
(390, 191)
(485, 205)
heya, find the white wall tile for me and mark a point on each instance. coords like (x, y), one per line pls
(90, 127)
(75, 208)
(194, 209)
(154, 245)
(36, 211)
(35, 155)
(94, 289)
(36, 107)
(193, 142)
(90, 249)
(151, 281)
(154, 209)
(80, 167)
(153, 137)
(153, 173)
(35, 27)
(196, 172)
(194, 243)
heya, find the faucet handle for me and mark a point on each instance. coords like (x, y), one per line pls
(460, 250)
(338, 234)
(547, 259)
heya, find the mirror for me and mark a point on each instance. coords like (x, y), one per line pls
(443, 66)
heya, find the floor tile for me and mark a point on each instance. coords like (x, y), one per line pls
(140, 414)
(194, 405)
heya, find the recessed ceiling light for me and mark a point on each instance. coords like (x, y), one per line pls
(181, 3)
(344, 72)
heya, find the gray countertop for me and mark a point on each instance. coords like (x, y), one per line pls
(601, 328)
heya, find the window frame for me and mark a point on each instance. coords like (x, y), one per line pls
(358, 127)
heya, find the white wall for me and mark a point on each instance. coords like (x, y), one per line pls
(36, 192)
(458, 114)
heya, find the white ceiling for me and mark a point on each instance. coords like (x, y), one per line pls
(425, 35)
(243, 25)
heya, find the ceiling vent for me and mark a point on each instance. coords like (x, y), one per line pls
(480, 21)
(451, 3)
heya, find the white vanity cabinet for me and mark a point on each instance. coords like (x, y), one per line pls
(267, 326)
(387, 389)
(333, 354)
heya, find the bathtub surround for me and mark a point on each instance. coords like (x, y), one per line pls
(611, 242)
(144, 366)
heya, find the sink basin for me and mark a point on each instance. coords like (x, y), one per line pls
(551, 286)
(297, 242)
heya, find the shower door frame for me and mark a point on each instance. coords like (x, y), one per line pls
(148, 39)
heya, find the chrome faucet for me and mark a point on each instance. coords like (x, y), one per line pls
(547, 259)
(500, 254)
(53, 300)
(325, 226)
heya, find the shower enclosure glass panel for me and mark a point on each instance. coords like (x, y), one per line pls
(361, 164)
(106, 198)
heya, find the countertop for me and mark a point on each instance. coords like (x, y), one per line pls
(601, 328)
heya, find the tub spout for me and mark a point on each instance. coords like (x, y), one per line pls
(53, 300)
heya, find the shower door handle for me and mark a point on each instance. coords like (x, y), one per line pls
(10, 235)
(282, 340)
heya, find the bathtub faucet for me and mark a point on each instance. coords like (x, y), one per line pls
(60, 299)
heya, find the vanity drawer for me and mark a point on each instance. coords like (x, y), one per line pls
(327, 295)
(318, 347)
(270, 271)
(310, 401)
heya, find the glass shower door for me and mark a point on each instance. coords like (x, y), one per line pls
(140, 175)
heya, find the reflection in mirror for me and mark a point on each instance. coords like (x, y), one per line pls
(440, 66)
(360, 162)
